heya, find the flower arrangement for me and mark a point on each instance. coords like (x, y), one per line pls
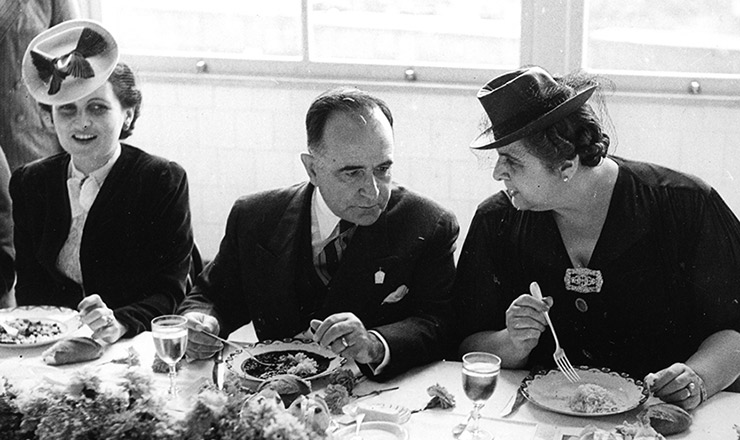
(89, 409)
(337, 394)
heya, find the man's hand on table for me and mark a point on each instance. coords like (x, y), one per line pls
(345, 334)
(201, 346)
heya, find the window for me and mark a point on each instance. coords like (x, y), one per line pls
(378, 39)
(417, 32)
(218, 28)
(700, 36)
(668, 46)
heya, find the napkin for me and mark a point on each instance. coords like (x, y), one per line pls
(72, 350)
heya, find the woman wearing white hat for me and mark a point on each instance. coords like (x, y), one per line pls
(103, 226)
(639, 264)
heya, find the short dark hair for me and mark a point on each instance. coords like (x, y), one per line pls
(342, 99)
(580, 133)
(123, 81)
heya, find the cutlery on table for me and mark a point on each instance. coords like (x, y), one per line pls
(218, 372)
(514, 403)
(231, 344)
(561, 360)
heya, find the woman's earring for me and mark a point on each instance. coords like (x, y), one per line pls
(565, 179)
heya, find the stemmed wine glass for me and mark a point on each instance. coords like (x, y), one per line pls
(170, 334)
(480, 375)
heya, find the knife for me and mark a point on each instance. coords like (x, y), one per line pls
(514, 403)
(218, 372)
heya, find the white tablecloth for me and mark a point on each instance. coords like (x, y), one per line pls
(713, 420)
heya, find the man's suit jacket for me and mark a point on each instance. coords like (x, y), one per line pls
(254, 274)
(136, 244)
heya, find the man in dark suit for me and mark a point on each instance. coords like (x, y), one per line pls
(362, 265)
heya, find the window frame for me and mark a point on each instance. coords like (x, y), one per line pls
(552, 36)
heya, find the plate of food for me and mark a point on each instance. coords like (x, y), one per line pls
(307, 360)
(36, 325)
(601, 392)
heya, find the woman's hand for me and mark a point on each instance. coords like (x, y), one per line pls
(677, 384)
(100, 319)
(525, 321)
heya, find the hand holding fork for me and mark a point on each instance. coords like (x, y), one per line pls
(561, 360)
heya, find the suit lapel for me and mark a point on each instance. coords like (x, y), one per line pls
(280, 256)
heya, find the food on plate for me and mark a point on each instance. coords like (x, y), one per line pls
(288, 386)
(30, 331)
(592, 399)
(666, 418)
(298, 362)
(72, 350)
(625, 431)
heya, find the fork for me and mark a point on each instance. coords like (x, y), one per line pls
(201, 329)
(561, 360)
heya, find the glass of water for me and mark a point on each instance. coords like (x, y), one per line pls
(170, 334)
(479, 375)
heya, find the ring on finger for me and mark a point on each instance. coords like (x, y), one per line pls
(344, 342)
(108, 320)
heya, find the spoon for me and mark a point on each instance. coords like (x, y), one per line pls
(358, 422)
(458, 429)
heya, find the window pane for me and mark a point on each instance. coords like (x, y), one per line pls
(472, 33)
(249, 29)
(698, 36)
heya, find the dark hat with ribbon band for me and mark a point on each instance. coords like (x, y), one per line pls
(69, 61)
(523, 102)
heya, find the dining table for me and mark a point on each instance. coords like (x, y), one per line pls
(715, 419)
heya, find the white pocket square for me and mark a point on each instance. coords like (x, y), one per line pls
(396, 295)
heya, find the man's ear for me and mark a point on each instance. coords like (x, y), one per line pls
(309, 163)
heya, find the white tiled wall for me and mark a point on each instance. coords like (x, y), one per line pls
(236, 137)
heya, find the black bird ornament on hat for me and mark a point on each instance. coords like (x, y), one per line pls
(74, 63)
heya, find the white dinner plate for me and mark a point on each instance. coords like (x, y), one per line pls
(328, 360)
(374, 431)
(551, 390)
(64, 317)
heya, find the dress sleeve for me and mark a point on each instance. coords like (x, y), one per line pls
(168, 249)
(478, 299)
(714, 268)
(32, 280)
(7, 252)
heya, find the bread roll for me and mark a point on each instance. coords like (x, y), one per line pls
(72, 350)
